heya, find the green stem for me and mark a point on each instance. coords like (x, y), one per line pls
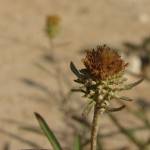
(95, 127)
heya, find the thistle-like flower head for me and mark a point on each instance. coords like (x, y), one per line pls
(102, 79)
(103, 62)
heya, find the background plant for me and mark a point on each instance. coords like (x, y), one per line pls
(99, 86)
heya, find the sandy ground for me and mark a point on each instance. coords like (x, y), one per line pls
(26, 88)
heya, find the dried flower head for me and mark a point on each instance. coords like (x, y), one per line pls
(103, 62)
(101, 82)
(52, 25)
(102, 79)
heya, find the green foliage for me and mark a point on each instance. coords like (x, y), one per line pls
(48, 132)
(51, 137)
(77, 143)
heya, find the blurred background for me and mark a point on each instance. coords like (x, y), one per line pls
(35, 74)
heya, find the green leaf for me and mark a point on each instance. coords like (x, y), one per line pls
(48, 132)
(77, 143)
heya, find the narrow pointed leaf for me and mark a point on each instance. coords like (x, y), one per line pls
(85, 73)
(116, 109)
(130, 86)
(79, 81)
(75, 70)
(48, 132)
(125, 98)
(78, 90)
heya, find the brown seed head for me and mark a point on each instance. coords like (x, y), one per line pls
(52, 25)
(103, 62)
(53, 20)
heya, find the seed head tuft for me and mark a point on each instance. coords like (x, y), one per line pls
(103, 62)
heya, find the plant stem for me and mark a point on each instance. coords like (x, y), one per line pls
(95, 127)
(52, 52)
(51, 44)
